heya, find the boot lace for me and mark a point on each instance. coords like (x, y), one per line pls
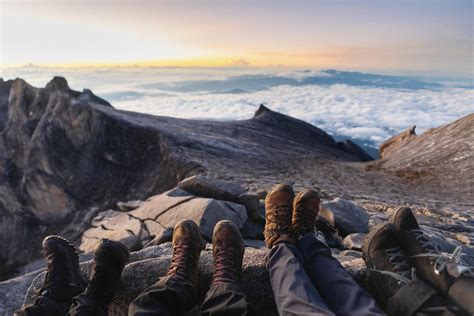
(224, 267)
(401, 268)
(178, 261)
(281, 217)
(441, 261)
(304, 219)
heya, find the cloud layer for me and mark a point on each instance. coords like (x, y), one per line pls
(366, 113)
(366, 107)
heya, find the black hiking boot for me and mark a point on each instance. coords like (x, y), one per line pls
(278, 213)
(387, 267)
(110, 258)
(228, 252)
(64, 278)
(423, 255)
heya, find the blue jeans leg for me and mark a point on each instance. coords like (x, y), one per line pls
(294, 293)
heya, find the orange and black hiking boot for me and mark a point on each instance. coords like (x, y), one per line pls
(305, 212)
(278, 213)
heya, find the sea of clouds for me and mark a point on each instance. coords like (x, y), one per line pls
(367, 108)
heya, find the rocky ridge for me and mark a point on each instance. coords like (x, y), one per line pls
(72, 164)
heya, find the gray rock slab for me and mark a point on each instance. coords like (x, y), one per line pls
(347, 216)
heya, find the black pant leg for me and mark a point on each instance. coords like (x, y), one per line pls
(170, 296)
(225, 299)
(82, 305)
(44, 306)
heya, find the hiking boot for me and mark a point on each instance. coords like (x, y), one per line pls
(278, 207)
(187, 246)
(110, 258)
(228, 252)
(417, 246)
(387, 267)
(305, 211)
(64, 278)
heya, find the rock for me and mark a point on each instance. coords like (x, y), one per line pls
(345, 215)
(116, 226)
(170, 207)
(464, 239)
(262, 194)
(165, 236)
(352, 148)
(354, 241)
(252, 230)
(219, 190)
(254, 243)
(397, 141)
(129, 206)
(351, 253)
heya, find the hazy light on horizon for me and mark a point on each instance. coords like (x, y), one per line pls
(427, 36)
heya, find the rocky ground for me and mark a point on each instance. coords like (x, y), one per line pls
(73, 165)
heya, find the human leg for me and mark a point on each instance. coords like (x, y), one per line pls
(176, 293)
(335, 285)
(293, 291)
(63, 279)
(225, 296)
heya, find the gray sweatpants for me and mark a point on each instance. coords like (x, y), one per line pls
(307, 280)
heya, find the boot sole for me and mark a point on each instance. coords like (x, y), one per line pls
(74, 255)
(366, 245)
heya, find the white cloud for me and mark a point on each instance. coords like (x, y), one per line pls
(372, 114)
(368, 113)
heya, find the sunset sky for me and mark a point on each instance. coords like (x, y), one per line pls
(407, 36)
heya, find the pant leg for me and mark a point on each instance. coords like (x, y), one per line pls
(44, 306)
(226, 300)
(171, 296)
(337, 287)
(83, 305)
(294, 293)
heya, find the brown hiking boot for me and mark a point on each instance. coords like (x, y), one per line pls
(64, 278)
(387, 267)
(418, 247)
(278, 207)
(187, 246)
(228, 252)
(305, 211)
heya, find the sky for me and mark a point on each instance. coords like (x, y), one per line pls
(415, 36)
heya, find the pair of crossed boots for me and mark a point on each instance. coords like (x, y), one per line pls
(409, 274)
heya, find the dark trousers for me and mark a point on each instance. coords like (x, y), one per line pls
(307, 280)
(172, 296)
